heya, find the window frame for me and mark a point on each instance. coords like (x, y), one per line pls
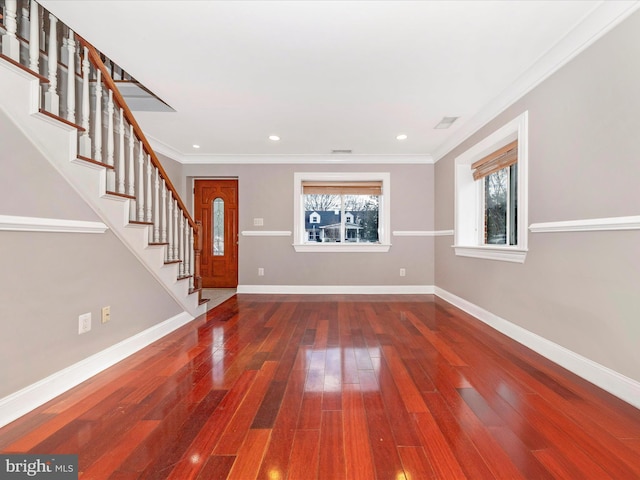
(384, 217)
(469, 197)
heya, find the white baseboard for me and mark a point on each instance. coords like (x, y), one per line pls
(613, 382)
(23, 401)
(337, 289)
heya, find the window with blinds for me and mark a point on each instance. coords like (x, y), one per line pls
(491, 201)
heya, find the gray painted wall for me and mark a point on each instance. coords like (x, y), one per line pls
(20, 159)
(579, 290)
(174, 171)
(48, 279)
(266, 191)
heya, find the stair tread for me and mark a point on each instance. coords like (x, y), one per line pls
(95, 162)
(61, 119)
(42, 78)
(123, 195)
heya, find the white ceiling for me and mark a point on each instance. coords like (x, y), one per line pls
(327, 75)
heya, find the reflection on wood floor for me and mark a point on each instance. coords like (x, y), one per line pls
(330, 387)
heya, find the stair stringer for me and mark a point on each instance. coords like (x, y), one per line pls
(57, 142)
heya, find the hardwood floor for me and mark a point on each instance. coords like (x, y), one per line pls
(331, 387)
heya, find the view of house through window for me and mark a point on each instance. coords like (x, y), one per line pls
(341, 212)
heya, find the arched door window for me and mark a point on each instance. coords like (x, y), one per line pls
(218, 227)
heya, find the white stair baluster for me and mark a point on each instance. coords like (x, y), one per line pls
(24, 22)
(51, 99)
(71, 78)
(181, 245)
(85, 138)
(192, 256)
(111, 174)
(34, 38)
(97, 127)
(187, 249)
(156, 206)
(120, 166)
(175, 230)
(131, 174)
(10, 43)
(163, 213)
(170, 228)
(140, 192)
(43, 34)
(185, 246)
(148, 197)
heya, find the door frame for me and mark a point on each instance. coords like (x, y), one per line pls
(191, 184)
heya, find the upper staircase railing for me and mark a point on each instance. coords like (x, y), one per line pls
(78, 89)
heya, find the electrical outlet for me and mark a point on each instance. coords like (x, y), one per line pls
(261, 272)
(84, 323)
(106, 314)
(258, 222)
(403, 272)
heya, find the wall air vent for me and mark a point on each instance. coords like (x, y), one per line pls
(341, 152)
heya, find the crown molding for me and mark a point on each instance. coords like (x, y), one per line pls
(351, 159)
(603, 18)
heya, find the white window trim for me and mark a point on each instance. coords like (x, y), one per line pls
(469, 199)
(384, 219)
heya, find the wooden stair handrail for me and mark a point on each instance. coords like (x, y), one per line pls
(94, 57)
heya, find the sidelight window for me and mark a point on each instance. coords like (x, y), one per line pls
(218, 227)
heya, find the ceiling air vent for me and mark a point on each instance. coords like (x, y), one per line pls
(446, 122)
(341, 152)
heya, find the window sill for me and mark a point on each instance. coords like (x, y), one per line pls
(504, 254)
(342, 248)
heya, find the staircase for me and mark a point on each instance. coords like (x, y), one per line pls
(55, 87)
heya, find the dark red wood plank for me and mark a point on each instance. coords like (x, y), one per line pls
(331, 454)
(304, 455)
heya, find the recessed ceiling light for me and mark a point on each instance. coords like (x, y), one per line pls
(402, 136)
(274, 138)
(446, 122)
(195, 146)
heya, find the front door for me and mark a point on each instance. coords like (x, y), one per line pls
(216, 206)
